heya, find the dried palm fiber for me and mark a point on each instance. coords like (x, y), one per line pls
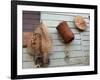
(40, 43)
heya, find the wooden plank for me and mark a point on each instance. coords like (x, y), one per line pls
(57, 36)
(57, 55)
(54, 23)
(78, 53)
(75, 42)
(62, 48)
(85, 48)
(73, 47)
(57, 43)
(71, 25)
(54, 30)
(27, 57)
(59, 17)
(77, 36)
(26, 65)
(85, 43)
(85, 33)
(29, 65)
(85, 15)
(88, 27)
(24, 50)
(75, 31)
(69, 62)
(56, 17)
(58, 48)
(61, 42)
(57, 63)
(85, 38)
(70, 54)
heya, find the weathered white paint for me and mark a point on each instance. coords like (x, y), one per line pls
(28, 65)
(85, 33)
(59, 54)
(54, 23)
(85, 43)
(54, 30)
(27, 57)
(86, 38)
(68, 14)
(69, 61)
(70, 47)
(57, 36)
(59, 17)
(61, 62)
(61, 42)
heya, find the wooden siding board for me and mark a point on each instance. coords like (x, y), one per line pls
(85, 15)
(26, 65)
(60, 62)
(59, 17)
(58, 55)
(54, 31)
(70, 61)
(57, 36)
(60, 43)
(54, 23)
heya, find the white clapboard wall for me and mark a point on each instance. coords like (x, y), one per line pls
(75, 53)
